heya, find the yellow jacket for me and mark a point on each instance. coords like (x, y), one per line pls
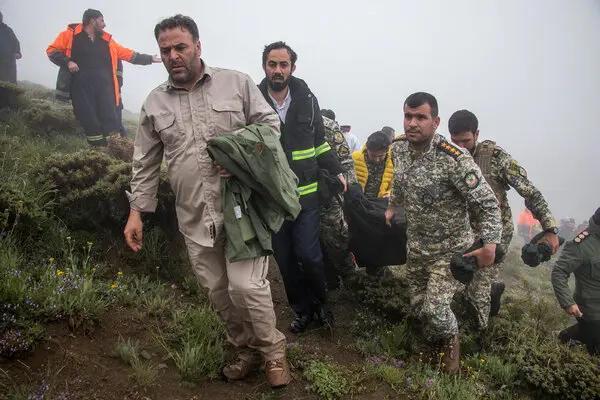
(362, 172)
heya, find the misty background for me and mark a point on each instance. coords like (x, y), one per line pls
(529, 70)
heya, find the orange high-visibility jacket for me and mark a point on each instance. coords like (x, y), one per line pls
(64, 42)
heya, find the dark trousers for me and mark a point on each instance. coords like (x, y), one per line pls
(92, 94)
(586, 332)
(8, 70)
(119, 111)
(298, 253)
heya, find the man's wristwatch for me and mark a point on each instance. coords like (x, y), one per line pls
(554, 230)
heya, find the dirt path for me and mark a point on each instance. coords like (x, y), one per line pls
(73, 366)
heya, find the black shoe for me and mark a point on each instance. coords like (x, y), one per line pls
(497, 290)
(325, 317)
(300, 323)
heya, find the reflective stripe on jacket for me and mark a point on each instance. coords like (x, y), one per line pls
(303, 140)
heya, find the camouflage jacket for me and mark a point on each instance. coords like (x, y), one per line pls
(436, 187)
(503, 172)
(338, 143)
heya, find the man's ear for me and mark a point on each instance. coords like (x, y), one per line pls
(436, 121)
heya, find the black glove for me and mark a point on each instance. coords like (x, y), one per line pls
(463, 268)
(534, 253)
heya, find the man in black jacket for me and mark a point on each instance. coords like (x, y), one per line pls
(296, 245)
(10, 52)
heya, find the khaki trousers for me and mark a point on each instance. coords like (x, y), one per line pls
(241, 295)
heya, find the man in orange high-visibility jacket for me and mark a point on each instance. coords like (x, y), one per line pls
(88, 58)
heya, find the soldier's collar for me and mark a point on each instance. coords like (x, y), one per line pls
(434, 141)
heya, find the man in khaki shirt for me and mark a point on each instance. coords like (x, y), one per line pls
(177, 119)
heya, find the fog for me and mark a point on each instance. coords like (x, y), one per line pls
(529, 70)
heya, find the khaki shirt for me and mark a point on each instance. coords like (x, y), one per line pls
(178, 123)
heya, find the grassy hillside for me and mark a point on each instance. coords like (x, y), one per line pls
(82, 317)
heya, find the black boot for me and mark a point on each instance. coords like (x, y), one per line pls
(325, 317)
(496, 295)
(300, 323)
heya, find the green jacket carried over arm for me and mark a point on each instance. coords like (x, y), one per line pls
(260, 195)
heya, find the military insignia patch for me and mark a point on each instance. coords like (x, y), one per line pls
(515, 169)
(471, 180)
(581, 237)
(343, 152)
(450, 149)
(259, 148)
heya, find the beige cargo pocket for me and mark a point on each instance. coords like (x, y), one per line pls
(228, 115)
(170, 134)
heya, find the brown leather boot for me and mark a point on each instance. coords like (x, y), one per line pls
(242, 366)
(451, 357)
(278, 372)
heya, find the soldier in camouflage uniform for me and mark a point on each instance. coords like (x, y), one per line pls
(502, 172)
(334, 229)
(436, 182)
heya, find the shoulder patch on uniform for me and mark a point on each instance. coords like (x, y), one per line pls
(581, 237)
(471, 180)
(515, 169)
(450, 149)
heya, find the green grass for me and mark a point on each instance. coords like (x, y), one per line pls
(127, 350)
(194, 341)
(143, 372)
(326, 379)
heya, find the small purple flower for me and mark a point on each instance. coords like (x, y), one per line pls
(375, 360)
(428, 383)
(398, 363)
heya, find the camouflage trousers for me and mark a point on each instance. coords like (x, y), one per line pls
(335, 237)
(432, 288)
(478, 293)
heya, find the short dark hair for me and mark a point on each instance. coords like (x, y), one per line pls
(378, 141)
(328, 114)
(462, 121)
(89, 15)
(418, 99)
(279, 45)
(388, 130)
(177, 21)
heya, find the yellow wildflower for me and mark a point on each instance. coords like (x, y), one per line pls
(114, 285)
(120, 273)
(59, 272)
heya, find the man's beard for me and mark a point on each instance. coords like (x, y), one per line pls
(185, 75)
(181, 76)
(278, 86)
